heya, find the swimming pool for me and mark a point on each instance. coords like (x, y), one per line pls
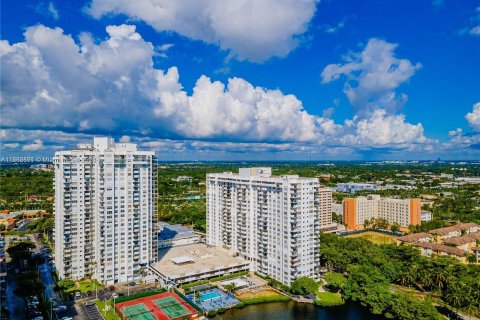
(210, 296)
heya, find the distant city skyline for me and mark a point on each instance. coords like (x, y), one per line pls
(310, 80)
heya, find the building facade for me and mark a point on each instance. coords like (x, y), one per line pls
(352, 187)
(271, 221)
(105, 205)
(356, 211)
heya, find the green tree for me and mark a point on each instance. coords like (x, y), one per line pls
(336, 281)
(304, 285)
(21, 251)
(395, 227)
(66, 284)
(231, 287)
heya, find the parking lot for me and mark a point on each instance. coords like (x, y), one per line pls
(92, 312)
(107, 294)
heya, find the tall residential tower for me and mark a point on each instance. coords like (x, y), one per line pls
(105, 205)
(272, 221)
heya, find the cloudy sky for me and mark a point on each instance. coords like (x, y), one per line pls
(244, 79)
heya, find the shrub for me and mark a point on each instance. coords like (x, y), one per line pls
(265, 300)
(193, 284)
(211, 313)
(229, 276)
(221, 310)
(139, 295)
(240, 305)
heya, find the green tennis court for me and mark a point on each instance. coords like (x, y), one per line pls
(138, 312)
(172, 307)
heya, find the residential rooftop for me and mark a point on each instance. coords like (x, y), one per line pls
(457, 227)
(412, 238)
(441, 248)
(174, 231)
(192, 259)
(468, 238)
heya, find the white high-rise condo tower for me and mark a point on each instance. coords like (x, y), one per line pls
(105, 205)
(272, 221)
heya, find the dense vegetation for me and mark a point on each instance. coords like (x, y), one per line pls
(17, 184)
(371, 269)
(183, 201)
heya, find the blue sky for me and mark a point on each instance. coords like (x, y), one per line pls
(239, 80)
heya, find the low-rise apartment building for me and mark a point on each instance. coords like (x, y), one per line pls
(466, 242)
(352, 187)
(457, 230)
(356, 211)
(193, 262)
(457, 241)
(173, 235)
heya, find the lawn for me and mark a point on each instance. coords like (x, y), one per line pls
(328, 299)
(264, 296)
(85, 286)
(261, 294)
(375, 237)
(110, 314)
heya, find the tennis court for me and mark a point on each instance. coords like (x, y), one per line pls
(172, 307)
(162, 306)
(138, 312)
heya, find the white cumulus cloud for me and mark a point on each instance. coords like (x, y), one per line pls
(473, 117)
(35, 146)
(372, 76)
(61, 92)
(249, 29)
(49, 81)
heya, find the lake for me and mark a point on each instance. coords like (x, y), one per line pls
(298, 311)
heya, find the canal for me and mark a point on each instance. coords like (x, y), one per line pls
(299, 311)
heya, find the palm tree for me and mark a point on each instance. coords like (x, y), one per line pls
(406, 278)
(366, 223)
(231, 287)
(454, 296)
(439, 279)
(426, 279)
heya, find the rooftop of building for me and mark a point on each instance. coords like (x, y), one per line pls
(441, 248)
(468, 238)
(412, 238)
(457, 227)
(192, 259)
(259, 173)
(174, 231)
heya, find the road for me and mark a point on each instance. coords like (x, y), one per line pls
(45, 271)
(16, 305)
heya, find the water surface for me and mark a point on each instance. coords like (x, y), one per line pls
(299, 311)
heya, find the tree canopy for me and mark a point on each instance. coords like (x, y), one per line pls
(304, 285)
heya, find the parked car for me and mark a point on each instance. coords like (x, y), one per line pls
(89, 303)
(60, 309)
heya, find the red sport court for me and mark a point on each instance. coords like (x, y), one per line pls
(162, 306)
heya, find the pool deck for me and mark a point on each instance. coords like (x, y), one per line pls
(221, 300)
